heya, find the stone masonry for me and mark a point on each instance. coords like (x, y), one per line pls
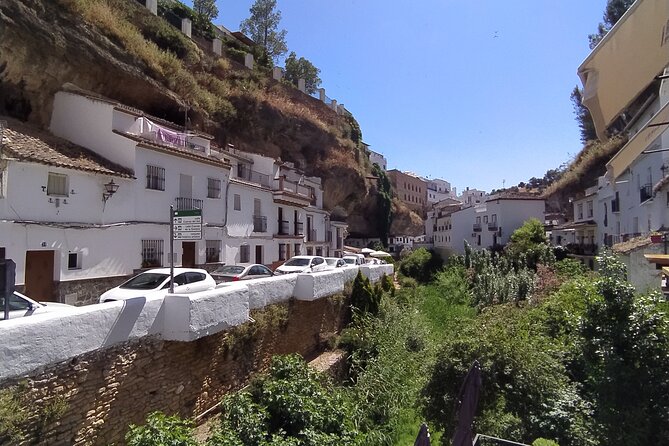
(105, 391)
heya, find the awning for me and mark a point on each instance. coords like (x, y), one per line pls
(659, 259)
(639, 142)
(625, 62)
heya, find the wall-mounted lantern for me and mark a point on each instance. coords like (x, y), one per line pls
(110, 189)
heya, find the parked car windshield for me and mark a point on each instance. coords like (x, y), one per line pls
(230, 269)
(350, 260)
(145, 281)
(332, 262)
(297, 262)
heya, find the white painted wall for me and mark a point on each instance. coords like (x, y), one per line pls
(47, 338)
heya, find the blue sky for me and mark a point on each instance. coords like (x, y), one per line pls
(474, 92)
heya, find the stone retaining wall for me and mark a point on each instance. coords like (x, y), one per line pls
(104, 391)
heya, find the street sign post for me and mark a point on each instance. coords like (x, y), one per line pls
(184, 225)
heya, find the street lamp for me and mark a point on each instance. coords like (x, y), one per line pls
(110, 189)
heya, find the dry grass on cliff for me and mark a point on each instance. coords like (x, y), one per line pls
(595, 154)
(111, 17)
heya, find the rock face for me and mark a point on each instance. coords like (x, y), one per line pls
(43, 45)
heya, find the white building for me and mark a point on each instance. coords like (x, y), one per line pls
(472, 197)
(377, 158)
(491, 223)
(438, 190)
(633, 196)
(253, 208)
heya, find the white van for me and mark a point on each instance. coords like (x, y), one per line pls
(354, 259)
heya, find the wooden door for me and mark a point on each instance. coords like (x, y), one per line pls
(188, 254)
(39, 275)
(259, 254)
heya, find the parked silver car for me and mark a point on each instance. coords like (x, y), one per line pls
(21, 305)
(156, 283)
(233, 273)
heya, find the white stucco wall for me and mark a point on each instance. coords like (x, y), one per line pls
(47, 338)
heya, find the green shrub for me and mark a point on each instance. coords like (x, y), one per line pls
(421, 265)
(408, 282)
(161, 430)
(290, 405)
(364, 297)
(12, 415)
(544, 442)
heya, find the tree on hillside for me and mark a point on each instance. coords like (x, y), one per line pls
(612, 13)
(583, 117)
(262, 26)
(206, 8)
(302, 69)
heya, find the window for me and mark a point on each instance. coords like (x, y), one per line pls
(580, 211)
(319, 251)
(57, 185)
(478, 220)
(494, 218)
(244, 254)
(74, 260)
(237, 202)
(212, 251)
(213, 188)
(152, 253)
(485, 219)
(155, 177)
(298, 249)
(590, 209)
(282, 251)
(310, 251)
(2, 183)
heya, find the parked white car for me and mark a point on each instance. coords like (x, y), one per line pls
(156, 283)
(303, 264)
(21, 305)
(354, 259)
(335, 262)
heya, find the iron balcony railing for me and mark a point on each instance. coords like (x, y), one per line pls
(244, 173)
(492, 226)
(284, 226)
(299, 228)
(477, 227)
(646, 192)
(187, 204)
(259, 223)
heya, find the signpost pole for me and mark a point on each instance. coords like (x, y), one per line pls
(171, 248)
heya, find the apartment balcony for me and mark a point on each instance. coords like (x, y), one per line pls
(293, 193)
(284, 227)
(252, 176)
(187, 204)
(299, 228)
(259, 223)
(492, 226)
(615, 205)
(477, 227)
(611, 240)
(645, 192)
(582, 249)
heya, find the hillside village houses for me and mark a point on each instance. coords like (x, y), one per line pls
(90, 204)
(632, 199)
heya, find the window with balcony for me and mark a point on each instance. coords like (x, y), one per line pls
(590, 209)
(244, 254)
(152, 253)
(213, 188)
(155, 177)
(212, 251)
(57, 185)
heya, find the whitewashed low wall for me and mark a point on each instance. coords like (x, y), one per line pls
(33, 342)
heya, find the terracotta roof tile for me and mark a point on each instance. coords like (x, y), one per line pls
(27, 143)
